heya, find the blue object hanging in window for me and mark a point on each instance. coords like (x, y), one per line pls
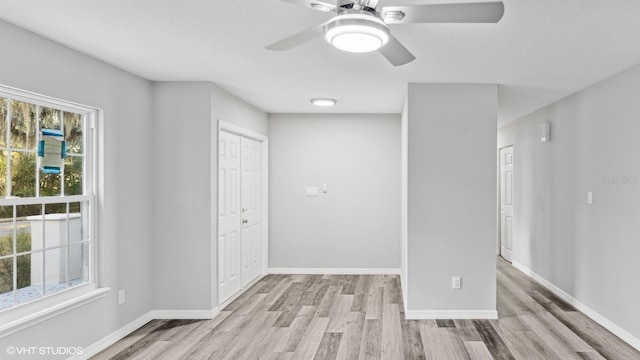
(52, 149)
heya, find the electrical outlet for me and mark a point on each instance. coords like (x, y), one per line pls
(121, 297)
(456, 283)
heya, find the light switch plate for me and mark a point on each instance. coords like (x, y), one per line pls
(456, 283)
(312, 191)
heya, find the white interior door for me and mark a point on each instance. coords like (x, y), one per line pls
(229, 215)
(506, 202)
(251, 211)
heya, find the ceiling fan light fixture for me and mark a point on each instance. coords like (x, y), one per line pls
(356, 32)
(323, 102)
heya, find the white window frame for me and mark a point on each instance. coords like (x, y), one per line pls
(29, 313)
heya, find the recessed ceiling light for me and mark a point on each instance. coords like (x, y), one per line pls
(356, 31)
(323, 102)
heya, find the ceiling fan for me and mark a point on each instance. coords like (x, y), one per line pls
(360, 26)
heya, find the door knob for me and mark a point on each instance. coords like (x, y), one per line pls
(244, 221)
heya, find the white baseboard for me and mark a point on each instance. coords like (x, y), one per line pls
(595, 316)
(334, 271)
(185, 314)
(405, 290)
(117, 335)
(112, 338)
(450, 314)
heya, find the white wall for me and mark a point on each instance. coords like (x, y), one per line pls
(588, 251)
(39, 65)
(451, 199)
(356, 224)
(229, 108)
(182, 195)
(184, 187)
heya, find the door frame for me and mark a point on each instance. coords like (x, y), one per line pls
(264, 203)
(499, 239)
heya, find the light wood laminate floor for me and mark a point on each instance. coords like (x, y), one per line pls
(316, 317)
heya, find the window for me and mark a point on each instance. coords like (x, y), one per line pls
(47, 226)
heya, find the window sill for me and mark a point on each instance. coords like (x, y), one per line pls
(39, 311)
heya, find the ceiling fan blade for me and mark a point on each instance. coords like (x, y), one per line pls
(396, 53)
(297, 39)
(487, 12)
(324, 5)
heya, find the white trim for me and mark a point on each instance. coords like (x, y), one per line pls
(229, 127)
(450, 314)
(114, 337)
(213, 200)
(404, 288)
(51, 312)
(595, 316)
(334, 271)
(184, 314)
(264, 203)
(43, 100)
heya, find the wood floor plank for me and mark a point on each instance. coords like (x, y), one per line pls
(348, 283)
(391, 336)
(278, 290)
(492, 340)
(477, 350)
(153, 351)
(352, 337)
(361, 317)
(392, 292)
(310, 341)
(127, 341)
(338, 313)
(279, 303)
(251, 333)
(374, 305)
(442, 343)
(591, 356)
(316, 292)
(298, 328)
(370, 348)
(559, 345)
(178, 331)
(327, 301)
(268, 283)
(467, 330)
(329, 345)
(361, 294)
(412, 340)
(190, 340)
(148, 340)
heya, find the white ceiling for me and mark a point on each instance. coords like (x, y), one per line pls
(540, 51)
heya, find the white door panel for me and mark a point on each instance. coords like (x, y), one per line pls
(251, 211)
(506, 203)
(229, 277)
(239, 209)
